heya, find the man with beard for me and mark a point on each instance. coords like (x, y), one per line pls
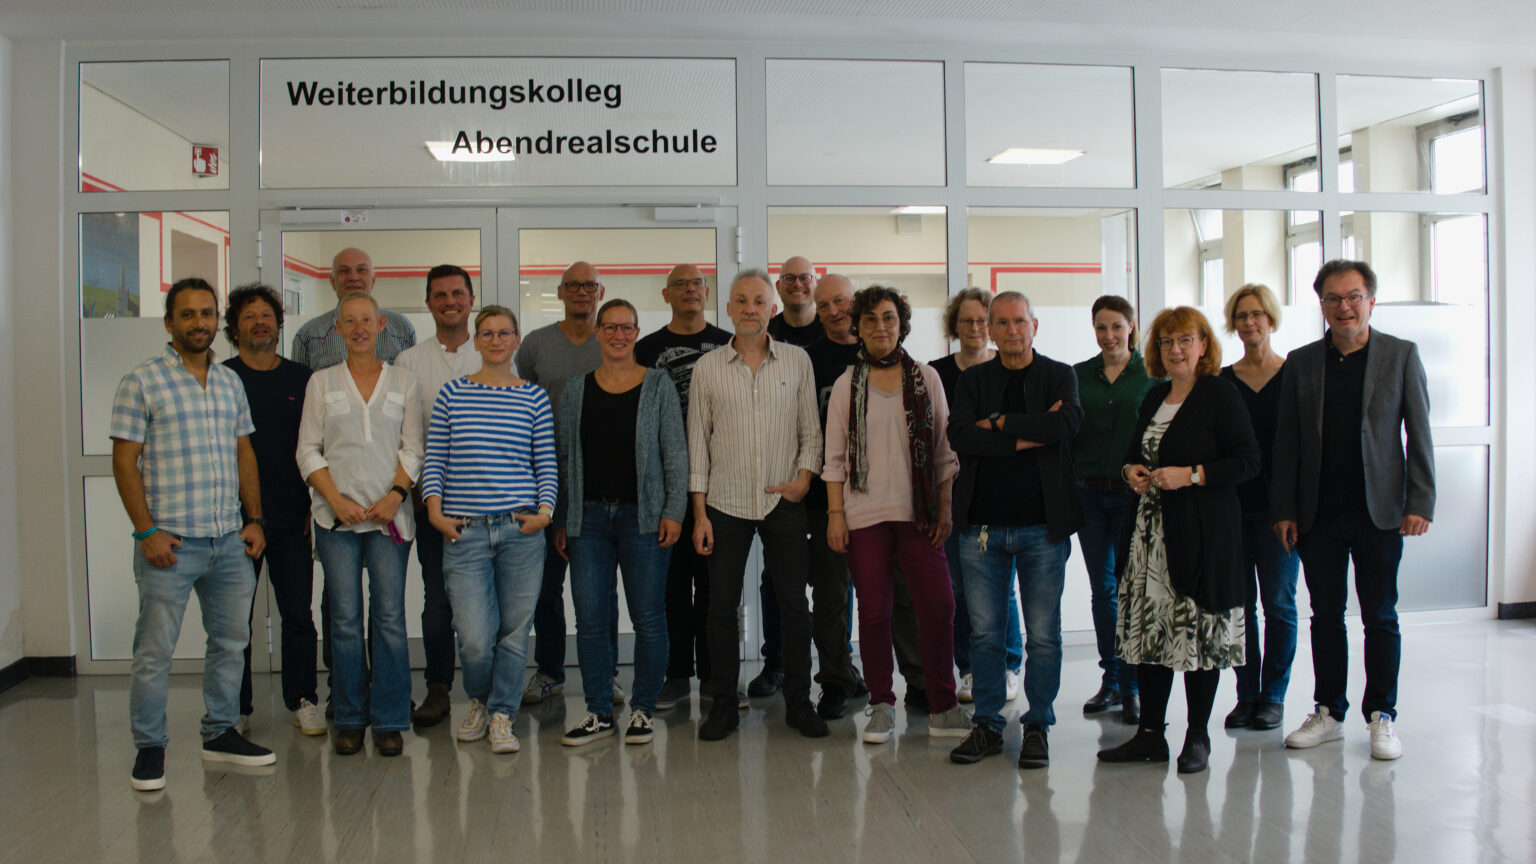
(182, 459)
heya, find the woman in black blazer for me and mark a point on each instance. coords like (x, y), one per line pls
(1181, 591)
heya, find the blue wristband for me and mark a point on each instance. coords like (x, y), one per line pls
(141, 535)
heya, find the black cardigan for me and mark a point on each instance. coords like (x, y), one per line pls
(1202, 525)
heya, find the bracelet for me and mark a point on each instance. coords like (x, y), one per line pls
(145, 534)
(404, 495)
(830, 512)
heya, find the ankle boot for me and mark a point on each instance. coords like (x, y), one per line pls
(1148, 745)
(1196, 753)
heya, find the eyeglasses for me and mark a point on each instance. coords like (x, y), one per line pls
(1184, 342)
(971, 322)
(496, 335)
(1332, 301)
(581, 287)
(802, 278)
(686, 283)
(1250, 316)
(610, 329)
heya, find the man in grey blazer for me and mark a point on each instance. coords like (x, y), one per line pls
(1345, 489)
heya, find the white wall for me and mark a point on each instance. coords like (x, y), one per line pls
(10, 574)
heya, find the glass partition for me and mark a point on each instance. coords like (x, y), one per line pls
(1236, 130)
(1039, 125)
(154, 125)
(1412, 134)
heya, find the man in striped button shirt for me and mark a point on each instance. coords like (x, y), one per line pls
(318, 345)
(754, 443)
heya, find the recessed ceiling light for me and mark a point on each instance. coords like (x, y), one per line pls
(920, 210)
(442, 151)
(1034, 156)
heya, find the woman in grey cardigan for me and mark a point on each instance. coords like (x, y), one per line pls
(623, 491)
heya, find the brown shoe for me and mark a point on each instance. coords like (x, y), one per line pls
(435, 709)
(388, 743)
(347, 741)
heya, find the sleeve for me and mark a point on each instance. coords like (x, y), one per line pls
(411, 443)
(944, 459)
(434, 467)
(130, 415)
(809, 455)
(312, 429)
(836, 468)
(1239, 450)
(300, 348)
(1421, 446)
(526, 361)
(1144, 412)
(1046, 426)
(546, 472)
(1283, 476)
(244, 424)
(567, 450)
(674, 449)
(700, 410)
(965, 437)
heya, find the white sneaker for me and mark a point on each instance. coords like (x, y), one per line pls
(618, 692)
(963, 692)
(1013, 684)
(541, 687)
(308, 718)
(502, 739)
(954, 723)
(473, 727)
(1318, 728)
(1384, 741)
(882, 722)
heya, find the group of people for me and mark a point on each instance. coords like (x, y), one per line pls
(943, 497)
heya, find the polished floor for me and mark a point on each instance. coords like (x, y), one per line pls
(1465, 790)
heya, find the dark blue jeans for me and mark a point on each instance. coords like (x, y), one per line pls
(1270, 575)
(291, 571)
(549, 616)
(1326, 552)
(436, 610)
(1104, 516)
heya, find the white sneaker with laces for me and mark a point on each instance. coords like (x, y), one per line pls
(1013, 684)
(882, 722)
(963, 692)
(1384, 741)
(309, 719)
(502, 739)
(473, 727)
(1318, 728)
(954, 723)
(541, 687)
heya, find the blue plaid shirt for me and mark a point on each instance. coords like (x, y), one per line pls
(190, 467)
(318, 345)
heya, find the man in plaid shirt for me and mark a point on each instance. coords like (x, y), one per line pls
(182, 459)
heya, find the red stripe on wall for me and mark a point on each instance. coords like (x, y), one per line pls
(92, 183)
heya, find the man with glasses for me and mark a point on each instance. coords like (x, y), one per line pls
(1345, 489)
(318, 345)
(675, 349)
(547, 357)
(1016, 507)
(435, 362)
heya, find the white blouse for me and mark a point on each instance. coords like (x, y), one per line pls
(361, 442)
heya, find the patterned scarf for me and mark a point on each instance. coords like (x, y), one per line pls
(917, 401)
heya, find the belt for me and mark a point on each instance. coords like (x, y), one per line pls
(490, 518)
(1107, 484)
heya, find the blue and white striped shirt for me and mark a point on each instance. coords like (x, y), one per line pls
(190, 464)
(490, 449)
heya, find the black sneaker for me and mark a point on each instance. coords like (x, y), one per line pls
(149, 769)
(591, 729)
(766, 683)
(801, 715)
(1035, 752)
(1107, 698)
(721, 722)
(673, 691)
(231, 747)
(983, 741)
(833, 703)
(860, 689)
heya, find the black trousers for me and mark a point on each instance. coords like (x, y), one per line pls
(291, 570)
(687, 608)
(784, 546)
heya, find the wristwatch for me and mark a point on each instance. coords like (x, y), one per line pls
(404, 495)
(255, 520)
(992, 419)
(1194, 476)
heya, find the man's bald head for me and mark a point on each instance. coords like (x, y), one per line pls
(834, 294)
(581, 289)
(797, 281)
(351, 270)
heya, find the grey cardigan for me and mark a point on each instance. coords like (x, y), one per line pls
(661, 453)
(1398, 481)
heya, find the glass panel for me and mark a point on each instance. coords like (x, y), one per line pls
(873, 246)
(1061, 259)
(632, 263)
(855, 123)
(1035, 125)
(1236, 130)
(154, 125)
(1412, 134)
(1448, 567)
(128, 261)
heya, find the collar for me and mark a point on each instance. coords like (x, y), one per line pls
(773, 349)
(174, 356)
(443, 348)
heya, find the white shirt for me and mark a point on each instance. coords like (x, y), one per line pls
(434, 365)
(361, 442)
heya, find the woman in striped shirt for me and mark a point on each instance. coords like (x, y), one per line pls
(489, 483)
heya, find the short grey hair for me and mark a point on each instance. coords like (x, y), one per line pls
(753, 273)
(1010, 297)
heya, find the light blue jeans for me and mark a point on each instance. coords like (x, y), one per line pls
(219, 571)
(611, 538)
(494, 572)
(382, 699)
(988, 557)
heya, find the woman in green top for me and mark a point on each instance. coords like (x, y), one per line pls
(1110, 386)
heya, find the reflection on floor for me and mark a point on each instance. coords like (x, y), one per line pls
(1465, 791)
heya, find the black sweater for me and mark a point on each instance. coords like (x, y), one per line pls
(1202, 525)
